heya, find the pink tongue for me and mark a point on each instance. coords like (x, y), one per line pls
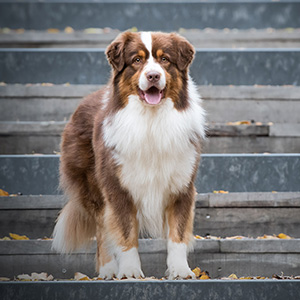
(153, 96)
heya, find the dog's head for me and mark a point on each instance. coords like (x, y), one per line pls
(152, 65)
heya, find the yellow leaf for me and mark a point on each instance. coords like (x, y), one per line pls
(80, 276)
(52, 30)
(204, 277)
(198, 237)
(232, 276)
(284, 236)
(3, 193)
(134, 29)
(93, 30)
(6, 238)
(246, 278)
(237, 237)
(220, 192)
(15, 236)
(197, 271)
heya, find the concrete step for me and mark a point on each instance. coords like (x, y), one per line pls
(247, 257)
(222, 215)
(156, 290)
(101, 38)
(148, 15)
(38, 174)
(210, 66)
(277, 104)
(45, 137)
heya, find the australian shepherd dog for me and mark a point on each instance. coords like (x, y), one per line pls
(129, 157)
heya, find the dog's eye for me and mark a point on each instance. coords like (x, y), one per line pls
(137, 60)
(164, 59)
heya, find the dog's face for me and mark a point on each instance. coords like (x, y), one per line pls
(153, 66)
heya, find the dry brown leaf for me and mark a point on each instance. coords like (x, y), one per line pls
(80, 276)
(3, 193)
(246, 278)
(268, 237)
(244, 122)
(15, 236)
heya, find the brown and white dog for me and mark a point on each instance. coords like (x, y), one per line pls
(129, 157)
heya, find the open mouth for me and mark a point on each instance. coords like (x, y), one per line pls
(152, 96)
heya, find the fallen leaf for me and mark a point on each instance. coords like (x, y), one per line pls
(6, 238)
(204, 277)
(197, 271)
(268, 237)
(245, 278)
(198, 237)
(220, 192)
(24, 277)
(41, 277)
(80, 276)
(93, 30)
(133, 29)
(15, 236)
(244, 122)
(232, 276)
(4, 279)
(20, 30)
(69, 29)
(236, 237)
(3, 193)
(284, 236)
(52, 30)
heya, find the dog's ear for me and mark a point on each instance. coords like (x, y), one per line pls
(186, 52)
(114, 54)
(115, 51)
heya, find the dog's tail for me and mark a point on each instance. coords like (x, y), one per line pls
(74, 228)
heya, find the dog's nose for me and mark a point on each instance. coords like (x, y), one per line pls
(153, 76)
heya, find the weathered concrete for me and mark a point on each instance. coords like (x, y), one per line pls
(210, 66)
(246, 214)
(45, 137)
(156, 290)
(147, 15)
(38, 174)
(276, 104)
(209, 38)
(219, 257)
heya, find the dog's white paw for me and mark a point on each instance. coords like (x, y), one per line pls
(180, 272)
(109, 270)
(130, 264)
(178, 267)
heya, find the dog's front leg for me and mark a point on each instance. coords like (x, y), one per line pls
(121, 227)
(180, 216)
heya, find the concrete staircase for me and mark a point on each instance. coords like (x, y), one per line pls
(247, 68)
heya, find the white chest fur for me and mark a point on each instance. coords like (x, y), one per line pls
(153, 147)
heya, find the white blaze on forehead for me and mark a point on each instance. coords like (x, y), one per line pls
(147, 40)
(151, 65)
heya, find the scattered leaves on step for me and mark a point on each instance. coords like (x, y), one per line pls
(35, 277)
(81, 277)
(3, 193)
(220, 192)
(18, 237)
